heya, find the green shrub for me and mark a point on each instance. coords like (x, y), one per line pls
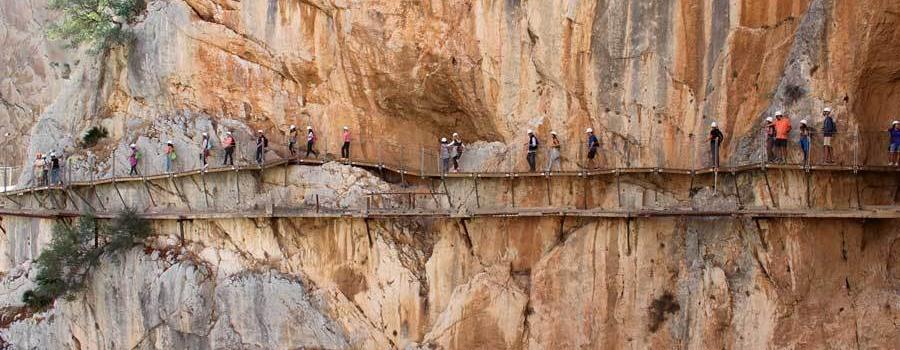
(93, 135)
(67, 261)
(95, 22)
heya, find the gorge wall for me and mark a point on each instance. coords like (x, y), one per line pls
(649, 76)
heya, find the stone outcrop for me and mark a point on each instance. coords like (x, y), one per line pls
(649, 76)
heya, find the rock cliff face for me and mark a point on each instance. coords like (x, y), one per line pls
(647, 75)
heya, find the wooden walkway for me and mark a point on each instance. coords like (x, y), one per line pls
(425, 175)
(889, 212)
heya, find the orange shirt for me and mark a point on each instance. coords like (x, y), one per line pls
(782, 128)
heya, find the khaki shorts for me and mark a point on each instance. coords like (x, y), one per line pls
(826, 140)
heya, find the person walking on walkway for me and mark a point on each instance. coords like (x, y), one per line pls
(205, 148)
(133, 159)
(262, 143)
(311, 139)
(445, 156)
(169, 155)
(829, 129)
(592, 145)
(229, 144)
(715, 141)
(345, 148)
(782, 131)
(532, 147)
(45, 172)
(894, 148)
(54, 169)
(770, 139)
(456, 150)
(554, 153)
(292, 140)
(38, 171)
(804, 141)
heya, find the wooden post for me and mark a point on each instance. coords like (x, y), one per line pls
(477, 200)
(317, 203)
(422, 161)
(584, 192)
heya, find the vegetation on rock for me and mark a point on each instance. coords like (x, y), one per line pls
(66, 262)
(95, 22)
(93, 135)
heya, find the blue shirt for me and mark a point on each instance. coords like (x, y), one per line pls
(895, 136)
(592, 141)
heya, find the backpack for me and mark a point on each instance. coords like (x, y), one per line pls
(265, 142)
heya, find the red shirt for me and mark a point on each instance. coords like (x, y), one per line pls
(782, 128)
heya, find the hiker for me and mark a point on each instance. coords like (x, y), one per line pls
(782, 130)
(229, 143)
(169, 155)
(311, 139)
(38, 172)
(770, 139)
(133, 159)
(345, 148)
(45, 170)
(456, 149)
(804, 141)
(532, 147)
(445, 155)
(895, 143)
(205, 147)
(554, 152)
(261, 144)
(829, 129)
(292, 140)
(592, 144)
(715, 141)
(54, 169)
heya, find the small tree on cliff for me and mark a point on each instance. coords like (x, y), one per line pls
(95, 22)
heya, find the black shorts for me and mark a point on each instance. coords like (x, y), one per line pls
(592, 153)
(781, 142)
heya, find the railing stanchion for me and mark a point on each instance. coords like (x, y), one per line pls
(422, 161)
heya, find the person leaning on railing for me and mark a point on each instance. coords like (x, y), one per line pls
(894, 148)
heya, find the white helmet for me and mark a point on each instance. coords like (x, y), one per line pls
(803, 122)
(455, 134)
(443, 139)
(553, 133)
(133, 145)
(588, 130)
(713, 125)
(769, 119)
(205, 134)
(346, 128)
(259, 131)
(228, 133)
(170, 142)
(308, 127)
(895, 122)
(293, 126)
(827, 110)
(530, 131)
(779, 113)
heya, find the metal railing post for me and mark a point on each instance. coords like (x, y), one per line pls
(421, 161)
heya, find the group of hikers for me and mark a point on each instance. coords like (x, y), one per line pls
(451, 150)
(229, 144)
(777, 131)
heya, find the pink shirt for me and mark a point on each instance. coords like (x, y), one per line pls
(346, 136)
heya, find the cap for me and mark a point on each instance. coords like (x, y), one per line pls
(530, 131)
(803, 122)
(827, 110)
(588, 130)
(769, 119)
(779, 113)
(714, 125)
(293, 126)
(443, 139)
(553, 133)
